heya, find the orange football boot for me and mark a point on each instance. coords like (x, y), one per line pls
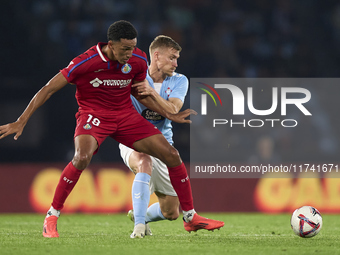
(199, 222)
(50, 227)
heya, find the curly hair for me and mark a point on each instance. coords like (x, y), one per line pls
(121, 29)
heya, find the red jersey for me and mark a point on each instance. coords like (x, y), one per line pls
(103, 84)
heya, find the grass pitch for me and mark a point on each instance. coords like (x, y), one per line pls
(109, 234)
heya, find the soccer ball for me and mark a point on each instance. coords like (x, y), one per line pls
(306, 221)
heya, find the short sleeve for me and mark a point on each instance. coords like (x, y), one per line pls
(181, 87)
(74, 69)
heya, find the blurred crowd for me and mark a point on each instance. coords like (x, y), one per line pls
(222, 38)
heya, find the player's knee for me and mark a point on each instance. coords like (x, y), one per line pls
(81, 160)
(172, 157)
(174, 153)
(142, 165)
(171, 214)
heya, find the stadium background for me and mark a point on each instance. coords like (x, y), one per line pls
(248, 38)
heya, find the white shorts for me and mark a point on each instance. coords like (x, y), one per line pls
(160, 180)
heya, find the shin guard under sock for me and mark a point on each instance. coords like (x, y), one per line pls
(67, 181)
(140, 197)
(181, 183)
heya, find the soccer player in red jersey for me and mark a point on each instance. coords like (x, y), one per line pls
(103, 76)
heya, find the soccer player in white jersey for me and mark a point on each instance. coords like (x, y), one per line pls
(169, 89)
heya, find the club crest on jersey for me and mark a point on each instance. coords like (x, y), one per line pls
(168, 91)
(87, 126)
(126, 68)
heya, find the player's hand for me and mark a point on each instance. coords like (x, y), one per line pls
(12, 128)
(143, 88)
(181, 116)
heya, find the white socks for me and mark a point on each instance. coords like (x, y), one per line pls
(53, 212)
(188, 215)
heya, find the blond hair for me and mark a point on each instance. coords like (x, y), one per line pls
(163, 41)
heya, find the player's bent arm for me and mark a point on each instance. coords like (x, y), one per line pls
(143, 89)
(153, 105)
(176, 102)
(55, 84)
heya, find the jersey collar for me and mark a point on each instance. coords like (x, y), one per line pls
(101, 54)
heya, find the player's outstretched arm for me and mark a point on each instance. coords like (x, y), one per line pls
(181, 116)
(56, 83)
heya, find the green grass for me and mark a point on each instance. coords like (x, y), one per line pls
(109, 234)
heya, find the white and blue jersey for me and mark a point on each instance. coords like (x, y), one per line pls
(174, 86)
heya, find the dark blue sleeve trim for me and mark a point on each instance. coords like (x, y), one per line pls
(134, 54)
(80, 63)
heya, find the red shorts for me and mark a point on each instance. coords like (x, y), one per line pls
(126, 126)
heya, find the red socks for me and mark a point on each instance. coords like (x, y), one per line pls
(67, 181)
(181, 183)
(178, 176)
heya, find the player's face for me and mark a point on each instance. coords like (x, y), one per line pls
(122, 50)
(167, 60)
